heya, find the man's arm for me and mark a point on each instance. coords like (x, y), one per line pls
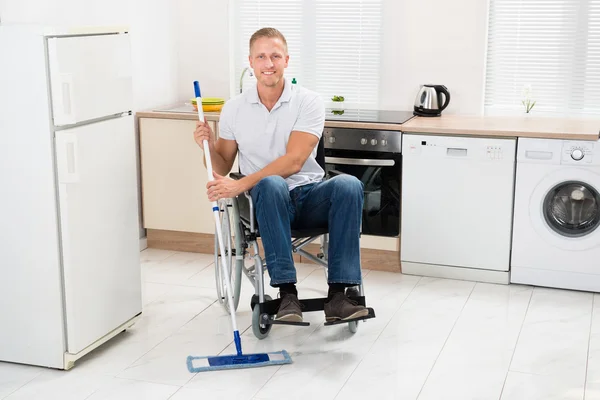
(222, 151)
(299, 147)
(222, 156)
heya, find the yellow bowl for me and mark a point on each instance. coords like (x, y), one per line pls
(208, 107)
(212, 107)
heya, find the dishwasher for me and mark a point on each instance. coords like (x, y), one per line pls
(457, 206)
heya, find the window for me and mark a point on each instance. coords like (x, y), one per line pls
(334, 45)
(551, 46)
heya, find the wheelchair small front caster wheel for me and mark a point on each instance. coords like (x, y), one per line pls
(353, 326)
(254, 301)
(259, 329)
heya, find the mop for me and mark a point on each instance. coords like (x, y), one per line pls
(239, 360)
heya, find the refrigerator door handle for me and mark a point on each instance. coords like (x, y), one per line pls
(66, 116)
(67, 94)
(66, 155)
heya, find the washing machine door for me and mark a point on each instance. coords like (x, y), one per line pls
(566, 210)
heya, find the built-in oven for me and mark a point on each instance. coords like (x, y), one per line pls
(375, 158)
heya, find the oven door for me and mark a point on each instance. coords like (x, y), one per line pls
(380, 174)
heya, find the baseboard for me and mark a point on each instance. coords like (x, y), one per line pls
(465, 274)
(181, 241)
(379, 260)
(569, 280)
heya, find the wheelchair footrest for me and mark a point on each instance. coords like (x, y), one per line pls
(275, 322)
(270, 320)
(344, 321)
(308, 305)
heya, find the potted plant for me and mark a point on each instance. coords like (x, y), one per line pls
(338, 103)
(527, 98)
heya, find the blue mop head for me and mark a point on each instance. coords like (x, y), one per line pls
(201, 364)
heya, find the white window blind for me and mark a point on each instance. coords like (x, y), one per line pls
(553, 46)
(334, 45)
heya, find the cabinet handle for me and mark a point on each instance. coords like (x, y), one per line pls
(456, 152)
(538, 155)
(360, 161)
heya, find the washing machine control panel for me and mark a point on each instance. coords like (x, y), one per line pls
(577, 152)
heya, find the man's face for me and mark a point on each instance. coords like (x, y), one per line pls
(268, 59)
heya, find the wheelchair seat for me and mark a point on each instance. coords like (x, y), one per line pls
(296, 233)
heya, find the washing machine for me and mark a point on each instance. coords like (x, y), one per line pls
(556, 226)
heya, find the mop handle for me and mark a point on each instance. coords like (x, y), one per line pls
(215, 208)
(204, 142)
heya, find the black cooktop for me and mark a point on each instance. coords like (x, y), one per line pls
(373, 116)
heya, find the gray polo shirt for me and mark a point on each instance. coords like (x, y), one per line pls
(262, 136)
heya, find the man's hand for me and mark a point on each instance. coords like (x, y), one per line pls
(203, 132)
(223, 188)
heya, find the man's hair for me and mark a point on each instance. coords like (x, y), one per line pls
(267, 32)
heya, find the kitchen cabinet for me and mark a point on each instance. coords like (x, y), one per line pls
(174, 177)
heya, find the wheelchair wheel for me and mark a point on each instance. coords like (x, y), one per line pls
(259, 330)
(353, 326)
(234, 266)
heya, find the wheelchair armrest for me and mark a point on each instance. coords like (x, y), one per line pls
(245, 205)
(335, 172)
(236, 175)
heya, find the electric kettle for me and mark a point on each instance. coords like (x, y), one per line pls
(429, 100)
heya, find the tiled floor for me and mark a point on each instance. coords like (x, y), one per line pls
(432, 339)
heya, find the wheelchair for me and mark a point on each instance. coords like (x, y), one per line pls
(240, 235)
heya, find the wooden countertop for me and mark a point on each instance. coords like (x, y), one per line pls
(209, 116)
(584, 128)
(214, 116)
(506, 126)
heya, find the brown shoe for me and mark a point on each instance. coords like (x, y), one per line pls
(342, 308)
(290, 309)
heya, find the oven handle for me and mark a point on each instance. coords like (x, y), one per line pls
(360, 161)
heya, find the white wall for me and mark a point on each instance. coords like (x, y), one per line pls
(203, 43)
(438, 42)
(425, 41)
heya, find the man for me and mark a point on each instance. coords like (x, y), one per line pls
(276, 127)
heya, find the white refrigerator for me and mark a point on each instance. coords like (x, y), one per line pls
(70, 276)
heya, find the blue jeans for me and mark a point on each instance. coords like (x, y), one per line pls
(336, 203)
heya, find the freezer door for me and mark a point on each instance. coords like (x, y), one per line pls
(99, 228)
(90, 77)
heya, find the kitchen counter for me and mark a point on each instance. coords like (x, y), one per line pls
(584, 128)
(190, 115)
(186, 112)
(505, 126)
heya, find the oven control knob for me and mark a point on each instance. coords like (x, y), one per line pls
(373, 142)
(577, 154)
(363, 141)
(331, 139)
(383, 142)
